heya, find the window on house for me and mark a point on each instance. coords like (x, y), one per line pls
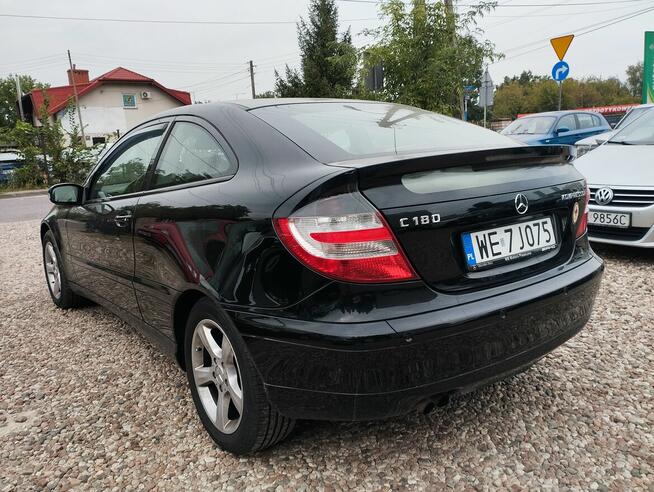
(98, 140)
(129, 100)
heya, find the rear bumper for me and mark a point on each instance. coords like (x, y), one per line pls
(381, 369)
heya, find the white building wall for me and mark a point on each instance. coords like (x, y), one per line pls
(103, 112)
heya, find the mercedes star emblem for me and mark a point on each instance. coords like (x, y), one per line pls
(521, 204)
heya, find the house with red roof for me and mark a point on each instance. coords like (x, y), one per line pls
(110, 104)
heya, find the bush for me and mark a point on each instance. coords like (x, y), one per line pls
(27, 176)
(47, 157)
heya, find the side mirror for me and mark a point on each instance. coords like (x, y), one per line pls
(66, 194)
(562, 130)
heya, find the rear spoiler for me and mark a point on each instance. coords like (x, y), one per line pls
(380, 167)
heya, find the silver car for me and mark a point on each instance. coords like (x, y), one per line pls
(620, 175)
(589, 143)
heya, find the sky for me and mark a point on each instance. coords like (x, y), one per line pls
(210, 59)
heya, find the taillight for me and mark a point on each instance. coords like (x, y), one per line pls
(345, 238)
(582, 221)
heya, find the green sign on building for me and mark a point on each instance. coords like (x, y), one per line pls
(648, 68)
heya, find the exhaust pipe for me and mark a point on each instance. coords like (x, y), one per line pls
(430, 404)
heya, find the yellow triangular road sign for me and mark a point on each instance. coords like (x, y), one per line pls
(562, 44)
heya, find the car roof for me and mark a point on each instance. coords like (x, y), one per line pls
(560, 113)
(263, 102)
(249, 104)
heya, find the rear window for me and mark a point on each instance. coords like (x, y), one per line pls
(587, 121)
(469, 177)
(341, 131)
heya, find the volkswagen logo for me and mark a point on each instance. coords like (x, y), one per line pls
(521, 204)
(604, 196)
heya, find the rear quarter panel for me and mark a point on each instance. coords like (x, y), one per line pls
(218, 237)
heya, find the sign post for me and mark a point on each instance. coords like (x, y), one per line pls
(648, 68)
(486, 93)
(561, 69)
(559, 73)
(468, 90)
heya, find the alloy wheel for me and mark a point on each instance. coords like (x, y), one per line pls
(217, 376)
(52, 270)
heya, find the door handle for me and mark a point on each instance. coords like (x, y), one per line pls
(122, 220)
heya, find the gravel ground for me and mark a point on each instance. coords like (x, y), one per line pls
(88, 403)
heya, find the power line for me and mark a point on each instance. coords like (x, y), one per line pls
(561, 14)
(31, 61)
(90, 62)
(591, 28)
(626, 16)
(194, 64)
(213, 88)
(212, 81)
(166, 21)
(560, 4)
(165, 62)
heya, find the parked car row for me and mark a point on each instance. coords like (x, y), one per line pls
(557, 127)
(620, 175)
(619, 169)
(589, 143)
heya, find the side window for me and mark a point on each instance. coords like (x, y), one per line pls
(586, 121)
(191, 154)
(124, 172)
(597, 121)
(567, 121)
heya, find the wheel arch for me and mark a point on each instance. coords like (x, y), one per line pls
(44, 229)
(181, 311)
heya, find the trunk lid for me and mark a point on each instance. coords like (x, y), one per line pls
(431, 202)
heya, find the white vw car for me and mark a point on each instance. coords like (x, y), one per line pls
(620, 175)
(589, 143)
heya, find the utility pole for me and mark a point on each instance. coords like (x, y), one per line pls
(19, 96)
(451, 24)
(79, 112)
(254, 94)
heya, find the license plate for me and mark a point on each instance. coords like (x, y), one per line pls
(508, 243)
(609, 219)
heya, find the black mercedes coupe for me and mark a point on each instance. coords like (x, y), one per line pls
(327, 259)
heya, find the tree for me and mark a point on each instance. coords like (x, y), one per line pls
(510, 99)
(47, 157)
(428, 54)
(9, 100)
(528, 93)
(328, 62)
(266, 95)
(635, 79)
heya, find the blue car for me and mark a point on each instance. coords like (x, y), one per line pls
(556, 127)
(9, 162)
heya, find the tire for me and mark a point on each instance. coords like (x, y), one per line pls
(220, 370)
(55, 276)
